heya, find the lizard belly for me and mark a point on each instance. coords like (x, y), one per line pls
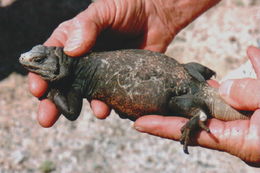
(134, 99)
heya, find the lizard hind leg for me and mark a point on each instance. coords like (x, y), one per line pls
(191, 107)
(196, 122)
(198, 71)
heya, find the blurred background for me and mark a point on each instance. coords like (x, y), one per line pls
(218, 39)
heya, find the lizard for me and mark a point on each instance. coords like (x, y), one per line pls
(134, 82)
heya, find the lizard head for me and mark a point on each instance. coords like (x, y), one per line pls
(48, 62)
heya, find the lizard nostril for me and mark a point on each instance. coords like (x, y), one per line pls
(21, 59)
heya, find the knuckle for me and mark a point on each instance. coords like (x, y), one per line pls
(65, 24)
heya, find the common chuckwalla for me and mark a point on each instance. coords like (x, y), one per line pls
(133, 82)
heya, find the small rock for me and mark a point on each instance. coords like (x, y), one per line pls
(18, 156)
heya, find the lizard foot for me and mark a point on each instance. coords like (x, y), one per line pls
(190, 127)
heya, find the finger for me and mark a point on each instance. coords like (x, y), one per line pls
(85, 28)
(81, 38)
(240, 137)
(156, 40)
(166, 127)
(37, 85)
(59, 35)
(213, 83)
(100, 109)
(170, 127)
(151, 42)
(254, 56)
(242, 94)
(48, 113)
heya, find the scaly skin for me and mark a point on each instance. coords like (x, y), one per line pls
(133, 82)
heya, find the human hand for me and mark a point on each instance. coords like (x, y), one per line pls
(145, 24)
(240, 138)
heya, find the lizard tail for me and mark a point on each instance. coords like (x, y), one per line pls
(222, 111)
(219, 109)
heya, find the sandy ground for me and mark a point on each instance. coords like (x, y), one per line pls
(218, 39)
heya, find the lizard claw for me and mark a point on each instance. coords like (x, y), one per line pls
(185, 138)
(187, 130)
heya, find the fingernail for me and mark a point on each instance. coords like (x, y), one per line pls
(225, 88)
(74, 41)
(138, 128)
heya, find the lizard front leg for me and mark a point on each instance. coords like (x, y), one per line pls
(69, 103)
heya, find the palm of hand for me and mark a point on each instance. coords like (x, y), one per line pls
(240, 138)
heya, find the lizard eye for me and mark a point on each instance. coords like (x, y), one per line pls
(40, 59)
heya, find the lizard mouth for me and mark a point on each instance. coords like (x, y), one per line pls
(29, 67)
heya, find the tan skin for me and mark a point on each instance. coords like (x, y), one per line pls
(152, 24)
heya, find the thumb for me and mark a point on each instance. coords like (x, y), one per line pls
(242, 94)
(84, 29)
(81, 37)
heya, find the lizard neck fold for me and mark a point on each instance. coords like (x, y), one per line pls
(85, 75)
